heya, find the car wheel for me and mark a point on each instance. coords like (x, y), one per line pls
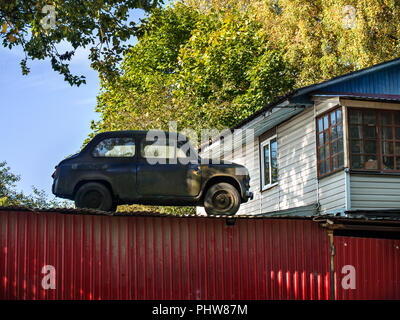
(94, 195)
(222, 199)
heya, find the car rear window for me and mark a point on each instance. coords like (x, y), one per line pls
(161, 150)
(115, 147)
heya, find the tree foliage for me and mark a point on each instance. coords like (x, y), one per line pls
(142, 97)
(103, 26)
(10, 197)
(200, 70)
(324, 38)
(228, 71)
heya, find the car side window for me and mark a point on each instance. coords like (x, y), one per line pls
(161, 150)
(115, 147)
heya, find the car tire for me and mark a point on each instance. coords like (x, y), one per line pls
(222, 199)
(93, 195)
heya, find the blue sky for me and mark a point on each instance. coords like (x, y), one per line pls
(43, 119)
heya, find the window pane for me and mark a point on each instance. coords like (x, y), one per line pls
(333, 118)
(370, 118)
(334, 148)
(387, 148)
(274, 161)
(370, 162)
(320, 127)
(335, 163)
(397, 148)
(333, 133)
(266, 164)
(354, 116)
(387, 133)
(397, 133)
(322, 167)
(370, 132)
(370, 146)
(338, 115)
(158, 151)
(397, 163)
(388, 163)
(327, 166)
(397, 118)
(321, 139)
(321, 154)
(115, 147)
(355, 132)
(326, 137)
(356, 147)
(326, 122)
(357, 162)
(330, 143)
(386, 118)
(327, 155)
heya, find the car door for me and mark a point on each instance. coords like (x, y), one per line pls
(115, 161)
(164, 170)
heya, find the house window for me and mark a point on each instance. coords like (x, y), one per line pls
(269, 162)
(374, 139)
(330, 153)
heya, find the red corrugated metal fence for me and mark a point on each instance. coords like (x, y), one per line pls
(377, 267)
(136, 257)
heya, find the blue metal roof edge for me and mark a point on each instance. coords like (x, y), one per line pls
(348, 76)
(297, 96)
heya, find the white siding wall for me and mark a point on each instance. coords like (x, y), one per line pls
(297, 161)
(374, 192)
(296, 168)
(332, 192)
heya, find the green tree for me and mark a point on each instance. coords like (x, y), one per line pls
(324, 38)
(142, 97)
(200, 70)
(228, 71)
(10, 197)
(39, 25)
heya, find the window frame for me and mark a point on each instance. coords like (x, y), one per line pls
(317, 133)
(379, 140)
(114, 157)
(262, 145)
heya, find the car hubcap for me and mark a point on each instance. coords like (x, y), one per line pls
(222, 200)
(92, 199)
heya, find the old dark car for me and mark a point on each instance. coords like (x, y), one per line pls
(149, 167)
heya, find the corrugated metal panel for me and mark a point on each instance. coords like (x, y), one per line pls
(377, 267)
(136, 257)
(384, 81)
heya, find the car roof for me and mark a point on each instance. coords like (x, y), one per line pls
(121, 133)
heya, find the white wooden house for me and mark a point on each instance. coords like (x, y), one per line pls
(333, 147)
